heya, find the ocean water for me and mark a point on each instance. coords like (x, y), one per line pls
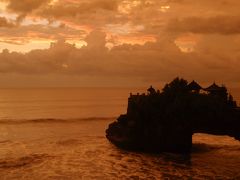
(60, 134)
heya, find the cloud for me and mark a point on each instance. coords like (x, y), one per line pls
(96, 40)
(153, 62)
(25, 34)
(5, 23)
(93, 13)
(220, 25)
(208, 31)
(25, 6)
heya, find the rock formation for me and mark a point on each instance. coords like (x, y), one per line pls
(165, 121)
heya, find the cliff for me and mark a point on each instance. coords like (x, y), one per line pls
(166, 121)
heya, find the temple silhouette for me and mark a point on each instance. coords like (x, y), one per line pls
(165, 121)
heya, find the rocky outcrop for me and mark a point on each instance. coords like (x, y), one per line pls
(166, 121)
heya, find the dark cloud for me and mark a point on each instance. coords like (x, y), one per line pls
(63, 9)
(219, 25)
(25, 6)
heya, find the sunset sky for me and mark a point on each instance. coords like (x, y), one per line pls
(118, 42)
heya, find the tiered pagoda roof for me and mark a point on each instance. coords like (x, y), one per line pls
(194, 86)
(213, 87)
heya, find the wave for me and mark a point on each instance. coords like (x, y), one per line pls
(54, 120)
(23, 161)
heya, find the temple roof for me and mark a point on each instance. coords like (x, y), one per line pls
(151, 89)
(214, 87)
(194, 86)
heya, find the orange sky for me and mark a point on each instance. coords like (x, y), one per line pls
(118, 42)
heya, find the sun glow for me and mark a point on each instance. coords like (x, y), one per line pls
(124, 29)
(3, 6)
(126, 6)
(164, 8)
(187, 42)
(77, 43)
(26, 47)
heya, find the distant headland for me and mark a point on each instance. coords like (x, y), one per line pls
(164, 121)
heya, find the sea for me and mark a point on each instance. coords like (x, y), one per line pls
(59, 134)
